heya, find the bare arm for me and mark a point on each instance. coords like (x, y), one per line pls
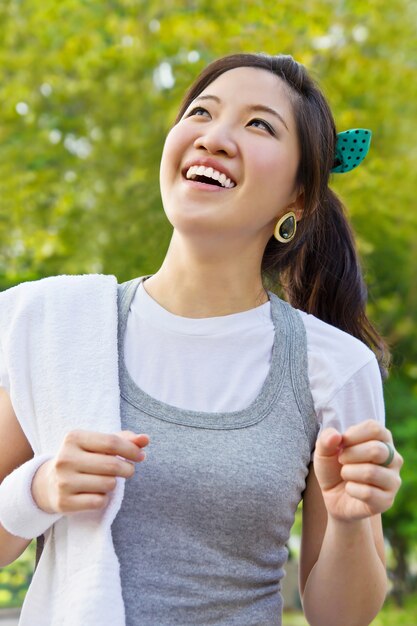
(342, 567)
(342, 579)
(14, 450)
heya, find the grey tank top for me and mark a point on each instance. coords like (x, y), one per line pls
(201, 534)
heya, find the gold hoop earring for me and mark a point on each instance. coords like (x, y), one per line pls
(286, 228)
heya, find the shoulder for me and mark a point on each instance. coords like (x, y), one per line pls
(334, 356)
(53, 285)
(323, 338)
(344, 376)
(49, 282)
(55, 297)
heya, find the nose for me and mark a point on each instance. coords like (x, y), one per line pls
(217, 139)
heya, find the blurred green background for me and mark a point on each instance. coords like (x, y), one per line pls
(88, 90)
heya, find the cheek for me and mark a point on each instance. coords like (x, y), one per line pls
(167, 156)
(175, 143)
(175, 146)
(276, 169)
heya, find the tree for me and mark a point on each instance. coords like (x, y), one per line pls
(89, 90)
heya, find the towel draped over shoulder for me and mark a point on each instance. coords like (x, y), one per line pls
(58, 337)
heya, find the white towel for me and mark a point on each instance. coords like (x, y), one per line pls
(59, 342)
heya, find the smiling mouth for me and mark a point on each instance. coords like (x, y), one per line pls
(209, 176)
(207, 181)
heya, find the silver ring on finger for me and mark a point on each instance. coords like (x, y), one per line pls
(391, 452)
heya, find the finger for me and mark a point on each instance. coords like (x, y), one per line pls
(366, 431)
(373, 475)
(105, 443)
(326, 464)
(88, 483)
(106, 465)
(82, 502)
(368, 452)
(328, 443)
(141, 440)
(377, 500)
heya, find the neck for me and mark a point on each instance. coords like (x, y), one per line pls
(193, 283)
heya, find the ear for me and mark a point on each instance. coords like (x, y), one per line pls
(298, 206)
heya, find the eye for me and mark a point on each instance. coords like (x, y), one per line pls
(200, 111)
(262, 125)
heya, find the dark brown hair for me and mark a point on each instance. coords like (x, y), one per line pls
(319, 270)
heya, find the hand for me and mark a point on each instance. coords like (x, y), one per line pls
(348, 467)
(83, 473)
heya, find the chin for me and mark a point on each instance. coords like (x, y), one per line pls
(195, 223)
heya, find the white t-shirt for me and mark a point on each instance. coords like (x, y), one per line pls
(219, 364)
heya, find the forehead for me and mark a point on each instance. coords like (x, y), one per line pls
(246, 86)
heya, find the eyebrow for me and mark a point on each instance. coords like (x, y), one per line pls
(252, 107)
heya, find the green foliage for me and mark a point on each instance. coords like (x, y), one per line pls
(390, 615)
(89, 90)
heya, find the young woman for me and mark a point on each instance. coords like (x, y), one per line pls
(234, 387)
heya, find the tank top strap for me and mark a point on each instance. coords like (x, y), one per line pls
(284, 313)
(125, 295)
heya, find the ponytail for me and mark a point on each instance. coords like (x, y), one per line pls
(320, 273)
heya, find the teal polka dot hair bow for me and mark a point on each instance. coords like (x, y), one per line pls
(352, 146)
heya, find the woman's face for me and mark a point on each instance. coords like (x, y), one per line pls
(241, 127)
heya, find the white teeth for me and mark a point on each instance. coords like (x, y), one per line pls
(209, 172)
